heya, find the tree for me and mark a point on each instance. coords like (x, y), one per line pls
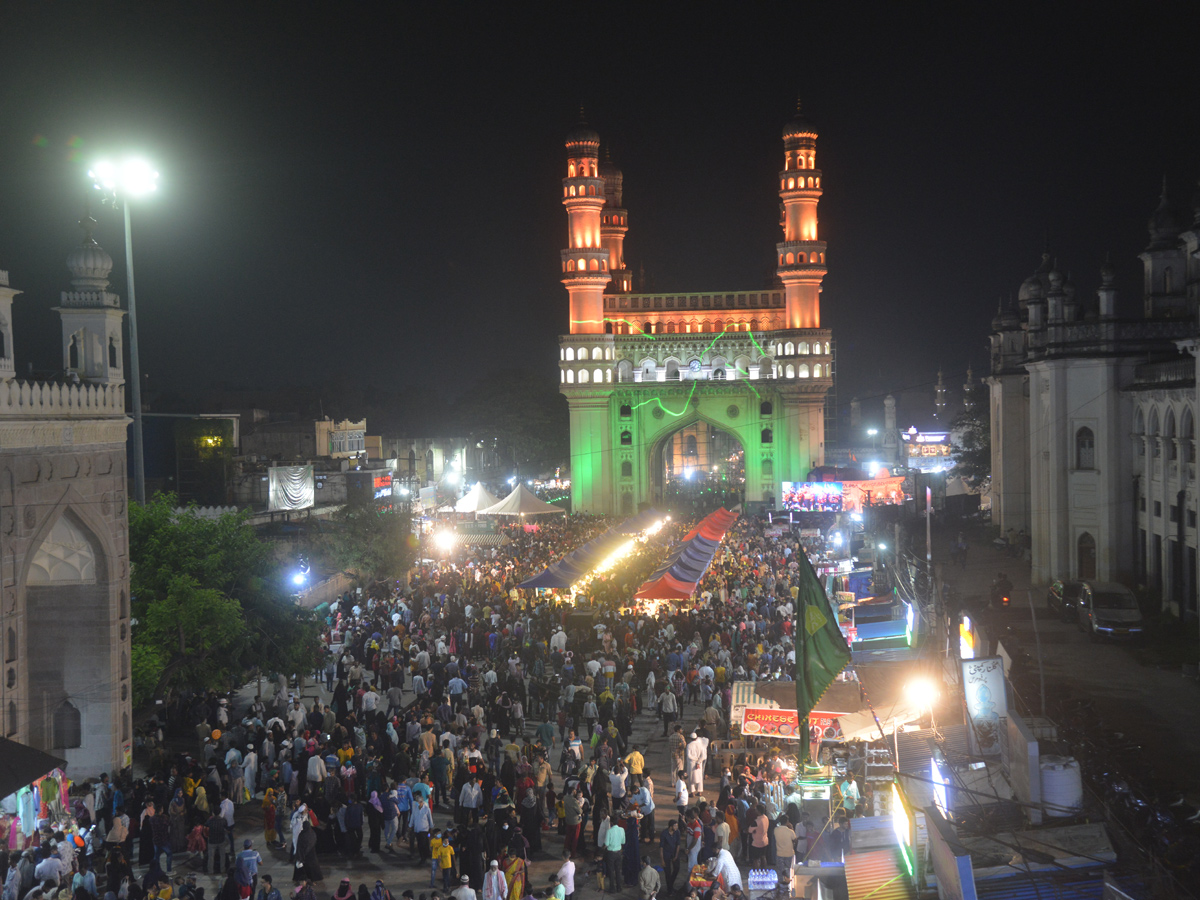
(973, 449)
(208, 602)
(364, 541)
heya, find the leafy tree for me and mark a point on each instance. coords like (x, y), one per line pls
(973, 448)
(208, 602)
(374, 545)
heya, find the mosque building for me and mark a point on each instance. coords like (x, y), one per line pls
(1093, 420)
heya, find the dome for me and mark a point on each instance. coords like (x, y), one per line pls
(1031, 289)
(608, 169)
(89, 265)
(798, 125)
(1164, 227)
(582, 133)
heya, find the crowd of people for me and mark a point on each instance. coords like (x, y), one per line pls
(470, 728)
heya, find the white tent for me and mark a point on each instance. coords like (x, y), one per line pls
(521, 502)
(475, 499)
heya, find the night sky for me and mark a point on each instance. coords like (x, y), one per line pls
(371, 191)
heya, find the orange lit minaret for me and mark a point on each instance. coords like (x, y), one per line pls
(801, 255)
(614, 222)
(585, 261)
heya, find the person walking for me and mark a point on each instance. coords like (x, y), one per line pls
(668, 842)
(614, 845)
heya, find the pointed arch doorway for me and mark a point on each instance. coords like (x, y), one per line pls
(697, 468)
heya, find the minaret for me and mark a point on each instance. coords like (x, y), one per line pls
(940, 403)
(585, 261)
(91, 315)
(614, 222)
(801, 255)
(7, 353)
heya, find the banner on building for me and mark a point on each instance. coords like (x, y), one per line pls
(983, 685)
(291, 487)
(782, 724)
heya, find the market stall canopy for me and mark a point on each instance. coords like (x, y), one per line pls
(475, 499)
(687, 562)
(521, 502)
(20, 766)
(572, 567)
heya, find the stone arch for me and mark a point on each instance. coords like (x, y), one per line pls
(1085, 555)
(624, 371)
(1169, 433)
(69, 573)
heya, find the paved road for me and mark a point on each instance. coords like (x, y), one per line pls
(1157, 705)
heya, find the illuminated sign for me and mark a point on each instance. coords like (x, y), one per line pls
(910, 621)
(783, 724)
(904, 824)
(966, 639)
(983, 685)
(940, 783)
(812, 496)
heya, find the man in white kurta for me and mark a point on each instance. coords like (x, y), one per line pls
(694, 755)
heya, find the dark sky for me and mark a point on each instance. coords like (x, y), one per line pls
(372, 191)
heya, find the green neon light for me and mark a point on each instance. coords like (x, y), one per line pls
(671, 411)
(756, 343)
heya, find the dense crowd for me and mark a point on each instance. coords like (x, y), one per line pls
(469, 723)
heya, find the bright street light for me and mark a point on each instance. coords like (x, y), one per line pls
(444, 540)
(923, 692)
(872, 431)
(132, 178)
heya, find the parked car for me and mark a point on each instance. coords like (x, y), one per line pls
(1109, 610)
(1064, 596)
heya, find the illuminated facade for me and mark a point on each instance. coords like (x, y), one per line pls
(639, 368)
(1093, 421)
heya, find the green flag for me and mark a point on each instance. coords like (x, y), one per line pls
(821, 651)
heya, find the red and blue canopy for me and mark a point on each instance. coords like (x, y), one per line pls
(677, 577)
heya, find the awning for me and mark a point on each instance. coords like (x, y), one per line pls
(21, 765)
(877, 875)
(481, 540)
(677, 577)
(572, 567)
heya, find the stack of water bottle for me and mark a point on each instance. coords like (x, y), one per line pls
(763, 879)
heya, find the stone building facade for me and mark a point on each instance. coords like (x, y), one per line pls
(64, 535)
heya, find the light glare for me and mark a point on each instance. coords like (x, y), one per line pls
(134, 177)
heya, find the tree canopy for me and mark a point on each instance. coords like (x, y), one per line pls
(208, 602)
(973, 450)
(364, 541)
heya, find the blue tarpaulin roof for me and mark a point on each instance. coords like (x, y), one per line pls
(566, 571)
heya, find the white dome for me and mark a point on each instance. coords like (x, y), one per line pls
(89, 265)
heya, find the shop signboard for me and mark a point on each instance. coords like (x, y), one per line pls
(781, 724)
(951, 862)
(983, 685)
(966, 638)
(904, 823)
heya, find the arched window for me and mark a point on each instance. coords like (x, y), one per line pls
(562, 377)
(719, 374)
(1187, 435)
(1085, 549)
(1153, 433)
(608, 376)
(791, 258)
(73, 353)
(1169, 436)
(598, 376)
(594, 265)
(766, 408)
(767, 436)
(789, 371)
(12, 718)
(570, 376)
(788, 349)
(689, 446)
(802, 348)
(817, 371)
(1085, 449)
(670, 328)
(625, 411)
(672, 371)
(626, 469)
(570, 354)
(625, 371)
(626, 438)
(768, 467)
(608, 353)
(597, 353)
(827, 342)
(112, 352)
(802, 370)
(799, 257)
(570, 170)
(67, 727)
(791, 187)
(608, 329)
(648, 328)
(583, 376)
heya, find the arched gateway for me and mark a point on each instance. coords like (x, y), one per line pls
(643, 373)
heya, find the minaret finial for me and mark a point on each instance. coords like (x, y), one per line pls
(1163, 195)
(87, 223)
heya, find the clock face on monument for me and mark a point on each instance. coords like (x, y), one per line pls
(694, 365)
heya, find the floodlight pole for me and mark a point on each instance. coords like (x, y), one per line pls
(139, 462)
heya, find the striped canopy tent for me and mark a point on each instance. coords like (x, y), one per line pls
(572, 567)
(683, 568)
